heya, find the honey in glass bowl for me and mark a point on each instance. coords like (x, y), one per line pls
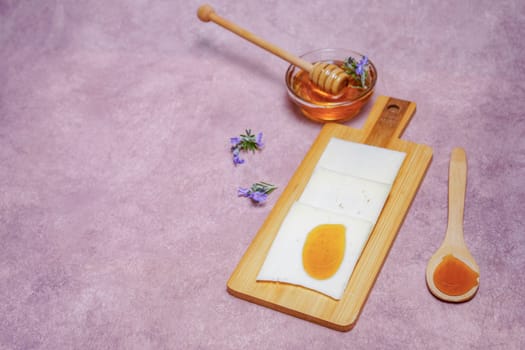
(321, 106)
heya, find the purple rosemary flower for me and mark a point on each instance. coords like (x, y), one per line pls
(258, 193)
(358, 71)
(243, 192)
(258, 197)
(245, 142)
(258, 140)
(236, 158)
(235, 141)
(361, 66)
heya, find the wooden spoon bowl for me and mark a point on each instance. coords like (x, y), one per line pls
(452, 273)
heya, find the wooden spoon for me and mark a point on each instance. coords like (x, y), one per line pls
(454, 244)
(328, 77)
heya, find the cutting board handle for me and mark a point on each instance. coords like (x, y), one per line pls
(387, 120)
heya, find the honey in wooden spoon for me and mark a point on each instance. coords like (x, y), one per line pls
(452, 273)
(453, 277)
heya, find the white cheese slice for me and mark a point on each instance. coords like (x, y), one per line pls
(284, 260)
(355, 159)
(348, 195)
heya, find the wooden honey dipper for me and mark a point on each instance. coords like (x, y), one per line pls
(328, 77)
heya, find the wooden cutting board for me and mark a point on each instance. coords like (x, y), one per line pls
(385, 123)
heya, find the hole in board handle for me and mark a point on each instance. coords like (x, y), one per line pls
(393, 108)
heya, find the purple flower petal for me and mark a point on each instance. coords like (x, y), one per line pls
(243, 192)
(359, 70)
(258, 140)
(235, 141)
(258, 197)
(237, 159)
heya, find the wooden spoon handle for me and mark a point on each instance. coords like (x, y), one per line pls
(457, 184)
(206, 13)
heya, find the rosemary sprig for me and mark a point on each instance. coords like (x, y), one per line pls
(245, 142)
(258, 192)
(359, 71)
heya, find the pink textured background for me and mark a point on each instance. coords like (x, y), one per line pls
(119, 223)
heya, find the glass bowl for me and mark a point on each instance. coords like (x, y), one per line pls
(320, 106)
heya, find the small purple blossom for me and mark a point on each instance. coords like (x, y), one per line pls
(258, 193)
(236, 158)
(243, 192)
(258, 197)
(361, 65)
(235, 141)
(258, 140)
